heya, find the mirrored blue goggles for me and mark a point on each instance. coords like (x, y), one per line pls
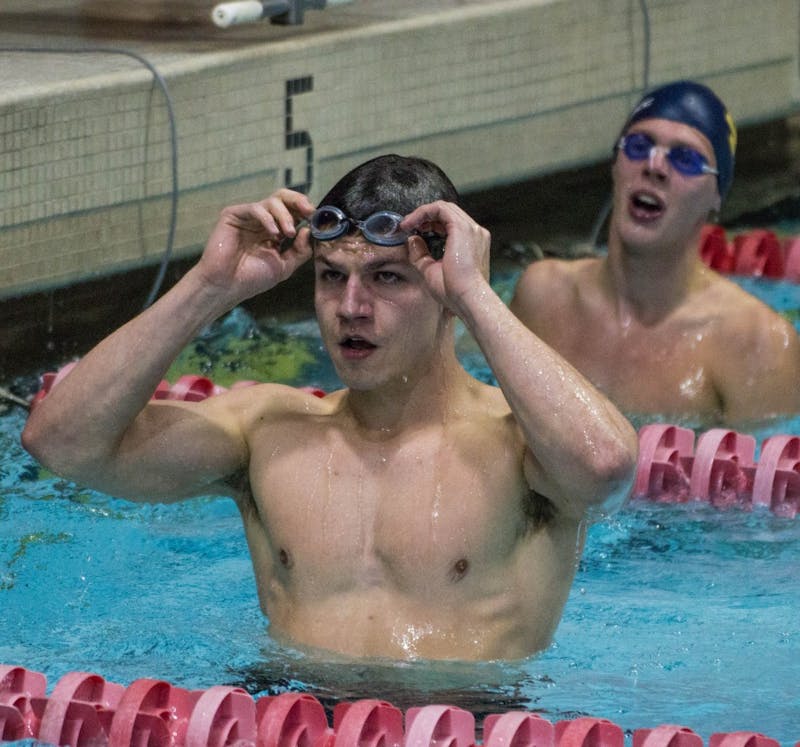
(638, 146)
(382, 228)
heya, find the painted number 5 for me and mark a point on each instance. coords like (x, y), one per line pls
(298, 138)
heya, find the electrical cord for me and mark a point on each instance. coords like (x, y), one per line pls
(157, 77)
(605, 210)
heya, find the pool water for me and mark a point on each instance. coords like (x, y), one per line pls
(679, 614)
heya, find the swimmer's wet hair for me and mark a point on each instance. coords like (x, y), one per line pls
(390, 182)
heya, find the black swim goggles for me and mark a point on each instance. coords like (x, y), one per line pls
(382, 228)
(638, 146)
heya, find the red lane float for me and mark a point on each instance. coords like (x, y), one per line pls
(720, 469)
(757, 253)
(84, 710)
(188, 388)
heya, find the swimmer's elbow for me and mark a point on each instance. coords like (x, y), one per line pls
(34, 440)
(608, 464)
(615, 471)
(53, 447)
(602, 485)
(612, 500)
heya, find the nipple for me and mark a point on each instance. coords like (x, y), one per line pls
(285, 559)
(459, 570)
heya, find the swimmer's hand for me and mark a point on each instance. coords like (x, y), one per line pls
(464, 264)
(257, 245)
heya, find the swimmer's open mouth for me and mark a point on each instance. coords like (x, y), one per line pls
(647, 202)
(356, 343)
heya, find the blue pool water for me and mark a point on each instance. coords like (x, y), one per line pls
(679, 614)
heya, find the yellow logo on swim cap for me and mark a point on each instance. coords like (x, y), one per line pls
(731, 132)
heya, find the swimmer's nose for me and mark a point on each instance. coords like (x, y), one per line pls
(657, 160)
(355, 301)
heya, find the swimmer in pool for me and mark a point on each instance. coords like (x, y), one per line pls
(649, 324)
(416, 513)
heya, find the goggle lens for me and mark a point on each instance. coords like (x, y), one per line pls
(381, 228)
(384, 226)
(637, 147)
(328, 223)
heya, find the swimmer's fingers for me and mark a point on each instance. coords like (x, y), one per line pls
(467, 243)
(267, 222)
(464, 265)
(448, 219)
(244, 253)
(295, 253)
(281, 212)
(434, 217)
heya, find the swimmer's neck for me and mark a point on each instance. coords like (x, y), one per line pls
(411, 401)
(650, 284)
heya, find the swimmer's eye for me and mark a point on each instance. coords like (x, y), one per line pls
(331, 276)
(387, 277)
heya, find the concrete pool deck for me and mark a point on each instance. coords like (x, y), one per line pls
(496, 92)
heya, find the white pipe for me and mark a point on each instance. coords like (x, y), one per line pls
(247, 11)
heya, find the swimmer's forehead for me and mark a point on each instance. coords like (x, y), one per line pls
(357, 249)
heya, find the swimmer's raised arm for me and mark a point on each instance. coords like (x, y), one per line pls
(582, 450)
(98, 427)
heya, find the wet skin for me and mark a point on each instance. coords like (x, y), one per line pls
(649, 324)
(402, 517)
(414, 537)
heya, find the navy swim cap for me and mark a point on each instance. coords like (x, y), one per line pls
(697, 106)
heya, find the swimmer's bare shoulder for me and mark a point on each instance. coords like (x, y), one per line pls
(549, 287)
(753, 354)
(258, 409)
(262, 418)
(743, 321)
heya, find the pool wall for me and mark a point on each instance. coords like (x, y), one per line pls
(495, 92)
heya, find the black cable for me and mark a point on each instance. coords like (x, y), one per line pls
(167, 256)
(605, 210)
(646, 31)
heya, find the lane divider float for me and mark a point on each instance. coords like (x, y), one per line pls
(85, 710)
(719, 469)
(756, 253)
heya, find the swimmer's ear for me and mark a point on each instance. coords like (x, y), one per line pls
(716, 208)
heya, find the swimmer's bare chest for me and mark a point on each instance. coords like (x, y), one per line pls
(390, 515)
(664, 368)
(373, 519)
(401, 553)
(432, 545)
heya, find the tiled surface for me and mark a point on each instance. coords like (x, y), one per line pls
(495, 92)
